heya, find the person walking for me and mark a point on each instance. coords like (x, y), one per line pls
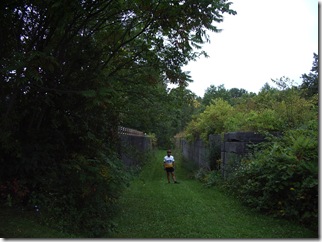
(169, 165)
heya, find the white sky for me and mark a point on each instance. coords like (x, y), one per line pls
(265, 40)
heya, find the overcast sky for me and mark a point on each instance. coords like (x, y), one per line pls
(265, 40)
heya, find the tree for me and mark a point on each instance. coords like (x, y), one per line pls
(214, 92)
(229, 95)
(311, 81)
(272, 109)
(91, 53)
(210, 121)
(165, 113)
(68, 71)
(266, 88)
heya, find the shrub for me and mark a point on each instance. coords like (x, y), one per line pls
(282, 178)
(264, 120)
(80, 196)
(211, 121)
(208, 177)
(200, 174)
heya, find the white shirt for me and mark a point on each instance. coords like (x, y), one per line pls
(168, 160)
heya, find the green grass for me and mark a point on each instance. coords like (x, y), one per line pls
(15, 223)
(152, 208)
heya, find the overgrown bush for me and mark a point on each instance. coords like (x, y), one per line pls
(270, 110)
(201, 173)
(211, 121)
(282, 178)
(209, 177)
(80, 196)
(77, 195)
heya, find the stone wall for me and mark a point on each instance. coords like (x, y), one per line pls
(234, 147)
(195, 151)
(220, 153)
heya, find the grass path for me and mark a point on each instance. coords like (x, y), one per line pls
(152, 208)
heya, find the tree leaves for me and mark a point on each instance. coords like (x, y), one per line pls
(73, 70)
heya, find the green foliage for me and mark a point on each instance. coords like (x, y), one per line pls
(209, 178)
(211, 121)
(230, 95)
(78, 196)
(264, 120)
(270, 110)
(310, 83)
(165, 113)
(72, 72)
(152, 208)
(282, 177)
(194, 212)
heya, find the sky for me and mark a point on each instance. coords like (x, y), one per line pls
(266, 39)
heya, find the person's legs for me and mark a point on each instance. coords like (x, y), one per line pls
(168, 177)
(173, 177)
(171, 170)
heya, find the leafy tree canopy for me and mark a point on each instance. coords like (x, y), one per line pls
(71, 72)
(229, 95)
(311, 81)
(272, 109)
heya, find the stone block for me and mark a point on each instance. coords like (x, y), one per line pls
(244, 136)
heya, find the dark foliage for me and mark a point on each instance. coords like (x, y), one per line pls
(69, 69)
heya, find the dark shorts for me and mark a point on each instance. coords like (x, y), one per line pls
(170, 169)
